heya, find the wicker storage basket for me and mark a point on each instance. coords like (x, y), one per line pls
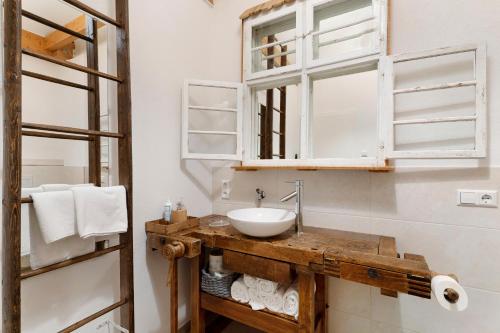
(217, 286)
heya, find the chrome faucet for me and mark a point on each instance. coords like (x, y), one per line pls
(298, 195)
(260, 196)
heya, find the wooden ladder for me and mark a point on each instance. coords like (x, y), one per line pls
(266, 113)
(14, 129)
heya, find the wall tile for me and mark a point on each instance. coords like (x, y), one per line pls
(243, 184)
(379, 327)
(426, 316)
(352, 223)
(343, 192)
(349, 297)
(342, 322)
(430, 196)
(465, 251)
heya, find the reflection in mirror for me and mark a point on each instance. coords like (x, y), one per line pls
(342, 27)
(278, 119)
(56, 161)
(344, 115)
(274, 44)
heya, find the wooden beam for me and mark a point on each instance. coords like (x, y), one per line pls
(125, 160)
(11, 202)
(37, 43)
(58, 39)
(57, 44)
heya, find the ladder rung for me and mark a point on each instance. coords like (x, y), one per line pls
(55, 80)
(278, 133)
(26, 200)
(92, 12)
(31, 273)
(71, 130)
(93, 317)
(56, 136)
(71, 65)
(277, 110)
(54, 25)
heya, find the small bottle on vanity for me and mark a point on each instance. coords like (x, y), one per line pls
(167, 212)
(179, 215)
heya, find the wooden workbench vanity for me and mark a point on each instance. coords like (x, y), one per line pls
(311, 258)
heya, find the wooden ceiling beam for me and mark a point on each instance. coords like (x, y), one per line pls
(37, 43)
(58, 39)
(56, 44)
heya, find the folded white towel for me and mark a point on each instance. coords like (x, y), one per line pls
(291, 301)
(42, 254)
(27, 211)
(275, 301)
(100, 210)
(250, 281)
(239, 291)
(56, 214)
(255, 299)
(266, 287)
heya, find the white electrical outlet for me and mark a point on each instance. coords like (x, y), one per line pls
(226, 189)
(477, 198)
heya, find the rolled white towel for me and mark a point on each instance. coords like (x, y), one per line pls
(256, 301)
(275, 301)
(266, 287)
(239, 291)
(291, 301)
(250, 281)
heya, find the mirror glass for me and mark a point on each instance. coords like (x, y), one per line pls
(278, 122)
(344, 115)
(55, 160)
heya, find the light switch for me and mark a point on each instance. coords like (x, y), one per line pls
(477, 198)
(468, 198)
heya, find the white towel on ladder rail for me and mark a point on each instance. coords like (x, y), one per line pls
(100, 211)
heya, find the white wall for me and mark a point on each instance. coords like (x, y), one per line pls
(416, 205)
(170, 41)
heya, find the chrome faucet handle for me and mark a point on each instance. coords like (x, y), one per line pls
(260, 194)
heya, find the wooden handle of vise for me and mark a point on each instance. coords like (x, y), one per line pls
(173, 251)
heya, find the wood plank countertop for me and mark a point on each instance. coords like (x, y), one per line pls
(365, 258)
(308, 248)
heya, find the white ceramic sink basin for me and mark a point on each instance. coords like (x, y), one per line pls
(261, 222)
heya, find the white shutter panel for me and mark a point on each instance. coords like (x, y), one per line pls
(212, 120)
(435, 103)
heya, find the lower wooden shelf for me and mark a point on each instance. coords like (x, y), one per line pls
(262, 320)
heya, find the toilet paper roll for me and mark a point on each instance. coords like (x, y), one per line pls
(441, 285)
